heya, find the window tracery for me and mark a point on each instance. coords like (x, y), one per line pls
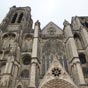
(56, 72)
(51, 49)
(26, 59)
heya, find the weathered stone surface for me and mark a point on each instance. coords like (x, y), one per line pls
(47, 58)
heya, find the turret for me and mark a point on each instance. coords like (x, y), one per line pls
(73, 55)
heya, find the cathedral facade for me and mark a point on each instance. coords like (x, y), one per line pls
(31, 57)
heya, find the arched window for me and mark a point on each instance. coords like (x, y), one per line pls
(82, 58)
(19, 86)
(14, 18)
(27, 43)
(9, 40)
(26, 59)
(25, 73)
(78, 41)
(20, 18)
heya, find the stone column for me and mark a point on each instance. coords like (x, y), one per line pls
(16, 65)
(15, 74)
(35, 57)
(7, 75)
(33, 74)
(72, 53)
(84, 35)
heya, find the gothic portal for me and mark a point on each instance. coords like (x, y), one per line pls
(31, 57)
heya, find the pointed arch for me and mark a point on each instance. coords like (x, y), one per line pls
(14, 18)
(20, 18)
(19, 84)
(8, 40)
(27, 43)
(56, 77)
(82, 58)
(78, 41)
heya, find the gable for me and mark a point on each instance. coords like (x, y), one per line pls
(56, 73)
(52, 28)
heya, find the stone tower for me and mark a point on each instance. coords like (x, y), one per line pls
(31, 57)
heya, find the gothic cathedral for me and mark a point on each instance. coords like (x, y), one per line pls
(31, 57)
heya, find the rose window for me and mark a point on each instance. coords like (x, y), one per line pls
(56, 71)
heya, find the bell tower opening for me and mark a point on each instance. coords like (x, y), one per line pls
(14, 18)
(20, 18)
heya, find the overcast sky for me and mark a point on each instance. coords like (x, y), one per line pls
(48, 10)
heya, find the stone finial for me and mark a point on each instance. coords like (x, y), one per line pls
(65, 23)
(37, 23)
